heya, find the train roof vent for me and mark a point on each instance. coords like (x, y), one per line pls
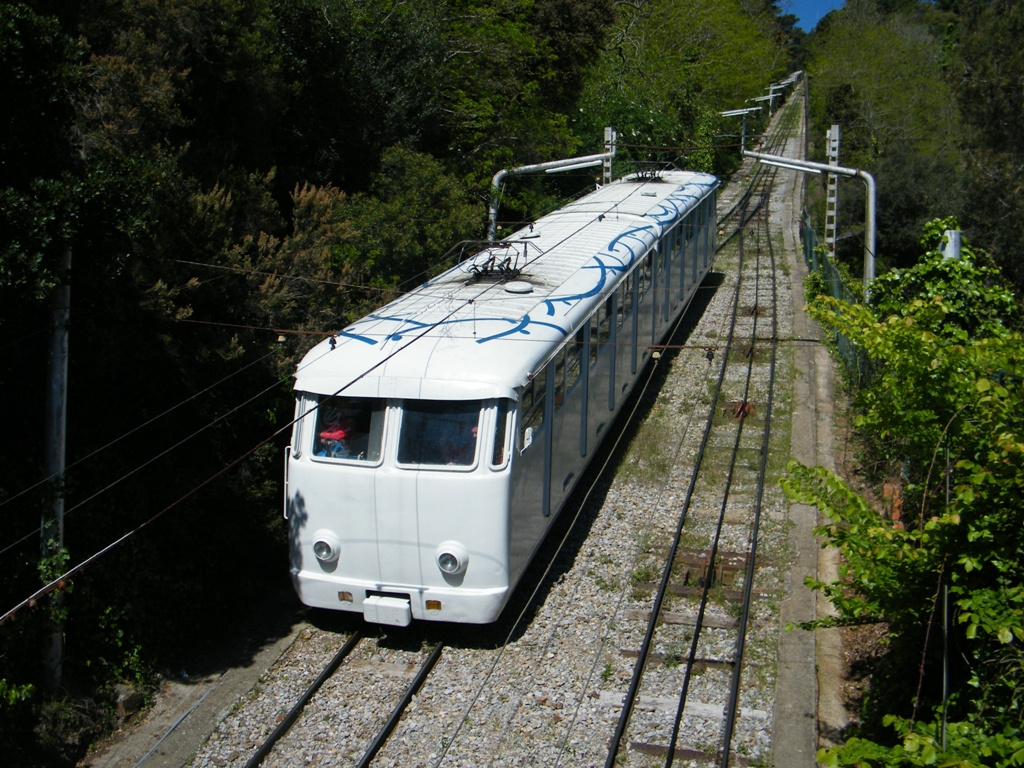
(519, 286)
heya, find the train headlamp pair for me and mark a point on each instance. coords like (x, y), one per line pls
(452, 557)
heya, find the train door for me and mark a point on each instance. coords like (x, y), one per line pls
(600, 382)
(568, 410)
(712, 223)
(625, 340)
(531, 471)
(645, 301)
(681, 242)
(691, 246)
(669, 251)
(678, 263)
(705, 232)
(665, 253)
(661, 288)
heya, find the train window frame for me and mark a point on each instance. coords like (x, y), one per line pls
(574, 360)
(624, 305)
(645, 276)
(559, 383)
(448, 448)
(604, 325)
(531, 408)
(305, 405)
(503, 410)
(319, 411)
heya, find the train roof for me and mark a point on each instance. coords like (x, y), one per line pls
(483, 327)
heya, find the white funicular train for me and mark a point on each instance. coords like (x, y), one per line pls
(436, 439)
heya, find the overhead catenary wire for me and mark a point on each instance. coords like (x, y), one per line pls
(151, 460)
(161, 454)
(527, 607)
(132, 431)
(61, 580)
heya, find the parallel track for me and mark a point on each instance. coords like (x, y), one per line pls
(692, 607)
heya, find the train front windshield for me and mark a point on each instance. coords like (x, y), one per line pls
(431, 433)
(439, 433)
(349, 428)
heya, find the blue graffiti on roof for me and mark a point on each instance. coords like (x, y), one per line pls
(407, 326)
(615, 259)
(524, 327)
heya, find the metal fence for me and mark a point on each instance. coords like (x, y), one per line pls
(818, 260)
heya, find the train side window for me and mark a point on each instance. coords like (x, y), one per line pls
(625, 300)
(348, 428)
(645, 275)
(532, 408)
(604, 328)
(573, 360)
(502, 414)
(303, 403)
(559, 383)
(439, 432)
(601, 327)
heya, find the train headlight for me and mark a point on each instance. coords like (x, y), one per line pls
(452, 558)
(326, 546)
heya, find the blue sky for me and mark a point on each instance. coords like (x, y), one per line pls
(809, 12)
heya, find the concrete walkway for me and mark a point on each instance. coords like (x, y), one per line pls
(807, 698)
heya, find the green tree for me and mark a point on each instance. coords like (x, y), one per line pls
(363, 76)
(878, 71)
(944, 408)
(402, 229)
(668, 68)
(987, 73)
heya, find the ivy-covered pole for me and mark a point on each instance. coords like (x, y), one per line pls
(52, 527)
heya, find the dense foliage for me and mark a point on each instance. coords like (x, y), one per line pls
(233, 180)
(943, 416)
(928, 98)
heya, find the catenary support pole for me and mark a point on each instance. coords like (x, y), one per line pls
(553, 166)
(807, 166)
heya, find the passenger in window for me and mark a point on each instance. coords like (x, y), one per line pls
(460, 447)
(336, 433)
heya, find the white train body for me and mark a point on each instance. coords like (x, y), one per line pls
(437, 438)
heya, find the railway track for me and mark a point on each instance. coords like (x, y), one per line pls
(702, 607)
(390, 678)
(548, 683)
(693, 618)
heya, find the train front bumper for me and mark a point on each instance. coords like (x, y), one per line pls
(456, 604)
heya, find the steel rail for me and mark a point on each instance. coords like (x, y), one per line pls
(734, 685)
(705, 594)
(293, 714)
(396, 714)
(638, 668)
(759, 187)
